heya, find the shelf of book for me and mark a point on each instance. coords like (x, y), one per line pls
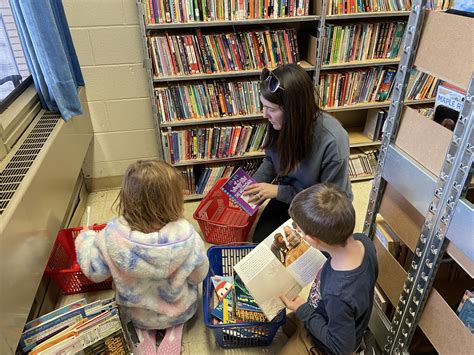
(261, 21)
(359, 64)
(218, 160)
(201, 121)
(368, 15)
(219, 75)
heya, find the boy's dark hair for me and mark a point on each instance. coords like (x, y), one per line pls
(323, 211)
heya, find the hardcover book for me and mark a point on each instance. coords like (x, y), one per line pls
(234, 188)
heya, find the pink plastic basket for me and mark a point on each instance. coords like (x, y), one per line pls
(63, 268)
(220, 220)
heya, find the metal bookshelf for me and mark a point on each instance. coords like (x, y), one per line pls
(446, 224)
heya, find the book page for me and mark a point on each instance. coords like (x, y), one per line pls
(281, 265)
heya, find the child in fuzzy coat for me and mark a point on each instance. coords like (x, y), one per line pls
(154, 256)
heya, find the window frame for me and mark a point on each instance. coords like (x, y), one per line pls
(7, 101)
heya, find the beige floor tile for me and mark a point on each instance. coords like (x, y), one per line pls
(97, 202)
(361, 192)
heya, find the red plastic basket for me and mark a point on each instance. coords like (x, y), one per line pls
(220, 220)
(63, 268)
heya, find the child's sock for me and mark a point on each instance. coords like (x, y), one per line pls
(147, 344)
(171, 344)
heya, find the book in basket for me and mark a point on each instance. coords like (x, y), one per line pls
(234, 188)
(283, 264)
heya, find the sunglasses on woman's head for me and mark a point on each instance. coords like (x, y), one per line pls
(273, 81)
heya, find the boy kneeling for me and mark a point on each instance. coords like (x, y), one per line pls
(340, 301)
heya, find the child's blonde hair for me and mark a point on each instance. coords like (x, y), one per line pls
(151, 195)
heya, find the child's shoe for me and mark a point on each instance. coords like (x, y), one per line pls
(171, 343)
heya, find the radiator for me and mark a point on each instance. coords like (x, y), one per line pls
(37, 180)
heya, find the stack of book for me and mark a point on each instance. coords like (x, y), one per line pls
(374, 123)
(421, 86)
(188, 176)
(365, 85)
(183, 11)
(233, 303)
(362, 41)
(218, 98)
(222, 52)
(362, 162)
(213, 142)
(94, 328)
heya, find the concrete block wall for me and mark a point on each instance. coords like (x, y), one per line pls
(106, 36)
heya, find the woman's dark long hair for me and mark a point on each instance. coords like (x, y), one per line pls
(294, 141)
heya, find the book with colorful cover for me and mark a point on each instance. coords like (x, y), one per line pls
(234, 188)
(246, 309)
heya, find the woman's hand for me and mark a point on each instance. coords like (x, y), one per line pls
(292, 305)
(260, 191)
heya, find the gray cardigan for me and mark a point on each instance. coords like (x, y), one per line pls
(327, 162)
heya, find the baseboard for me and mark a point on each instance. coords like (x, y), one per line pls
(105, 183)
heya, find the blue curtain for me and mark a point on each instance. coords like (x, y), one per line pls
(50, 54)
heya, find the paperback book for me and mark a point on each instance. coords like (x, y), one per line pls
(284, 256)
(234, 188)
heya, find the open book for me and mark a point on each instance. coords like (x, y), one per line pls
(282, 264)
(234, 188)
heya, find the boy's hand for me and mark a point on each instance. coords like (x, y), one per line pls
(292, 305)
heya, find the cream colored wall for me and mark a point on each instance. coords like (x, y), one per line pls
(106, 36)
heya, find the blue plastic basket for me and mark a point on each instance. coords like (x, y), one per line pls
(221, 262)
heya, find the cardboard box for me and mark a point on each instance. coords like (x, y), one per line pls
(424, 140)
(438, 322)
(406, 222)
(446, 47)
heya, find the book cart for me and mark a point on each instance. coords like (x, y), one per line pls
(422, 173)
(314, 54)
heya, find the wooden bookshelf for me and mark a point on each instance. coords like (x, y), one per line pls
(358, 139)
(362, 178)
(361, 106)
(262, 21)
(228, 74)
(368, 15)
(202, 121)
(359, 64)
(219, 160)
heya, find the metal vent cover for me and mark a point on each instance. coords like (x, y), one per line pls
(19, 165)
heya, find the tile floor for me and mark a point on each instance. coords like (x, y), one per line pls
(197, 338)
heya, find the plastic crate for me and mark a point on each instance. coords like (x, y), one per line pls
(221, 262)
(220, 220)
(63, 268)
